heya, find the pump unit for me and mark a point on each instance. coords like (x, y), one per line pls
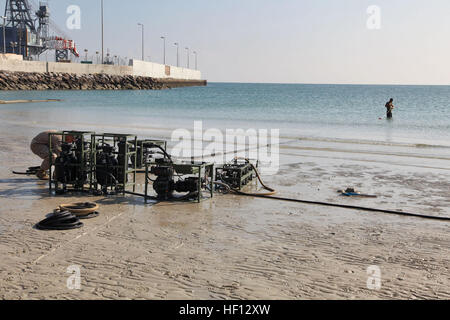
(114, 163)
(236, 174)
(189, 180)
(73, 163)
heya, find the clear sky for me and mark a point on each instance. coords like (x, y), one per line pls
(293, 41)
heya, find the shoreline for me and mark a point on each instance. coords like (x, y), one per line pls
(420, 145)
(231, 247)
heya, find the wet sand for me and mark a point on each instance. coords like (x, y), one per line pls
(233, 247)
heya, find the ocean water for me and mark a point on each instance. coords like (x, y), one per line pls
(351, 113)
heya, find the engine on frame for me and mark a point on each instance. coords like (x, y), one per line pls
(69, 166)
(236, 174)
(108, 171)
(148, 151)
(165, 184)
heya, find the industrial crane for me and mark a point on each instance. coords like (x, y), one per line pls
(33, 32)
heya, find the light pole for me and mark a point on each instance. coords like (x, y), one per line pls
(86, 51)
(103, 39)
(164, 52)
(4, 34)
(14, 45)
(178, 57)
(195, 52)
(20, 38)
(187, 57)
(143, 56)
(96, 54)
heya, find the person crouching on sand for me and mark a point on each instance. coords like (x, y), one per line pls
(389, 108)
(40, 146)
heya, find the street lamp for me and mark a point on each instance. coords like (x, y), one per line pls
(86, 51)
(13, 46)
(187, 56)
(178, 59)
(96, 54)
(164, 52)
(140, 24)
(103, 41)
(4, 33)
(195, 52)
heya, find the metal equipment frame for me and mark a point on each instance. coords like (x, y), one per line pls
(86, 154)
(127, 167)
(140, 154)
(238, 174)
(198, 169)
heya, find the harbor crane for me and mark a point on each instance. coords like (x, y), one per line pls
(33, 32)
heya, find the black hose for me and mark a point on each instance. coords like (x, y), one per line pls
(343, 206)
(24, 173)
(110, 175)
(272, 197)
(60, 220)
(30, 171)
(163, 150)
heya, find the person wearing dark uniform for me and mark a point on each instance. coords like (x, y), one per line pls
(389, 108)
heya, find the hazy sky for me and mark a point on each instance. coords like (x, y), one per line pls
(298, 41)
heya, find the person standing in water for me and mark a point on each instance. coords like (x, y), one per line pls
(389, 107)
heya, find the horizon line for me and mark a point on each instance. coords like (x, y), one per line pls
(332, 84)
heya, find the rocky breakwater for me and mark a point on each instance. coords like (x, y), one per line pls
(66, 81)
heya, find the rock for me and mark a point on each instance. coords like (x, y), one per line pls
(66, 81)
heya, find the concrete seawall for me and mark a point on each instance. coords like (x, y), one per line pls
(177, 83)
(170, 75)
(160, 71)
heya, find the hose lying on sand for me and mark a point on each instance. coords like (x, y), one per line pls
(402, 213)
(30, 171)
(81, 210)
(272, 192)
(60, 220)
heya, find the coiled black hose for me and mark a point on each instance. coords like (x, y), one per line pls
(60, 220)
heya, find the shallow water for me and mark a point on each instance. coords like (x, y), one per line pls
(321, 113)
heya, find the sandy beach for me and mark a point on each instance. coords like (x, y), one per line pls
(234, 247)
(335, 113)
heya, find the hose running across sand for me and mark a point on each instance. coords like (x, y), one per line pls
(272, 192)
